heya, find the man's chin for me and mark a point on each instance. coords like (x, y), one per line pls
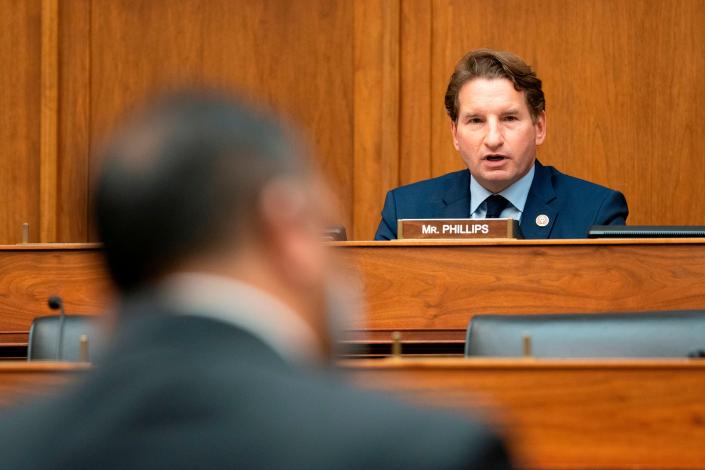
(496, 180)
(497, 177)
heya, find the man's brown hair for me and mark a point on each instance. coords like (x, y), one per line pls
(489, 64)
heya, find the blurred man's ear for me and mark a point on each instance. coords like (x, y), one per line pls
(294, 214)
(292, 226)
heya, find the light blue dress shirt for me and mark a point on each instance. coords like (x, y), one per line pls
(516, 194)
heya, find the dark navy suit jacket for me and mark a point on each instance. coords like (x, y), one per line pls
(571, 204)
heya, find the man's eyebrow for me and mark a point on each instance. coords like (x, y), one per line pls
(511, 111)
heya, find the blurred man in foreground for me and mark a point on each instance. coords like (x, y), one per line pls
(211, 221)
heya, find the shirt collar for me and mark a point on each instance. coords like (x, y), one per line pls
(516, 194)
(246, 307)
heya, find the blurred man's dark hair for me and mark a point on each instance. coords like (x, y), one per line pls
(183, 178)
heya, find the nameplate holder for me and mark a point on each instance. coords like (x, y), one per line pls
(455, 229)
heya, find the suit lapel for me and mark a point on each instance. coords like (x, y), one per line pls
(537, 204)
(457, 199)
(457, 202)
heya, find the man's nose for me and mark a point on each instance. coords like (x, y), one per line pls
(494, 138)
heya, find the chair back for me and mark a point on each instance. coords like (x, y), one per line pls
(44, 337)
(649, 334)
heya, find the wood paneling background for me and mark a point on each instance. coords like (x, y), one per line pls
(624, 81)
(625, 90)
(20, 44)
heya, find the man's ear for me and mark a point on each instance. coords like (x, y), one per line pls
(294, 241)
(540, 127)
(454, 134)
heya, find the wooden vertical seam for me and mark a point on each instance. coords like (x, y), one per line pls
(49, 107)
(415, 91)
(375, 110)
(430, 104)
(91, 231)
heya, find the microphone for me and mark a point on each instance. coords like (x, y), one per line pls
(336, 233)
(56, 303)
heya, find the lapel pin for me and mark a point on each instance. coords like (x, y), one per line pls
(542, 220)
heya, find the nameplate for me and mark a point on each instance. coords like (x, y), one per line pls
(452, 229)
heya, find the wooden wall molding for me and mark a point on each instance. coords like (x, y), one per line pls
(417, 100)
(376, 110)
(49, 110)
(20, 51)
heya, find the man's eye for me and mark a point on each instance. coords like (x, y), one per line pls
(474, 121)
(510, 118)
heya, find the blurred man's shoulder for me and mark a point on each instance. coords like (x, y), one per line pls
(379, 430)
(255, 415)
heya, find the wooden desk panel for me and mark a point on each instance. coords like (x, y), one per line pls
(428, 290)
(440, 286)
(565, 414)
(21, 381)
(556, 414)
(30, 274)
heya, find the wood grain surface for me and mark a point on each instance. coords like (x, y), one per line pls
(293, 57)
(623, 81)
(376, 122)
(74, 126)
(365, 80)
(417, 102)
(564, 414)
(20, 46)
(21, 381)
(28, 277)
(441, 286)
(428, 288)
(49, 111)
(555, 414)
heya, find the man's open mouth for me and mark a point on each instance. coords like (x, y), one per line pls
(495, 158)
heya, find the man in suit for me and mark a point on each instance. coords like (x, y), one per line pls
(498, 119)
(211, 222)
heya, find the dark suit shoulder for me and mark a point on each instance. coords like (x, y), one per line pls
(566, 183)
(572, 203)
(364, 429)
(431, 187)
(193, 392)
(419, 438)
